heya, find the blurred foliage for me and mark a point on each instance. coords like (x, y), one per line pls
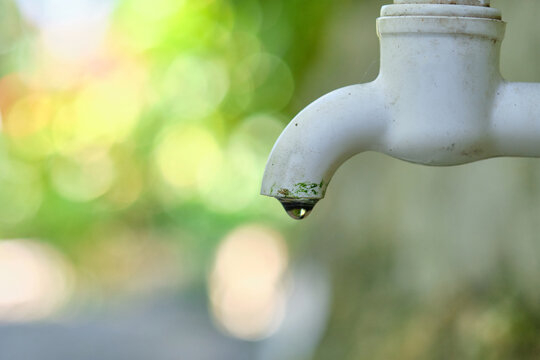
(166, 124)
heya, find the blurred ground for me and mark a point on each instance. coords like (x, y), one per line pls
(161, 328)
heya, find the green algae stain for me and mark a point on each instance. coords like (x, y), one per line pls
(306, 188)
(302, 190)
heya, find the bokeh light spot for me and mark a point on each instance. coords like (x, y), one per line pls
(186, 154)
(129, 182)
(20, 191)
(104, 112)
(272, 80)
(247, 295)
(71, 30)
(154, 10)
(83, 177)
(194, 86)
(35, 280)
(29, 115)
(235, 185)
(27, 125)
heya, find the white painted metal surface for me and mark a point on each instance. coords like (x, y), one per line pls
(454, 2)
(439, 100)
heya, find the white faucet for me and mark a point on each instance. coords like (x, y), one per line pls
(439, 100)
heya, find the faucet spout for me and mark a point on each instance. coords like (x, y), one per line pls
(318, 140)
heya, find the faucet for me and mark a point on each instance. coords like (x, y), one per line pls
(439, 100)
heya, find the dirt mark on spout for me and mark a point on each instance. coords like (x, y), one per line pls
(473, 152)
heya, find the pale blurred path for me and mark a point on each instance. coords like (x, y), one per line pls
(163, 329)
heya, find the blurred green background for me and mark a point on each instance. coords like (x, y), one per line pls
(134, 138)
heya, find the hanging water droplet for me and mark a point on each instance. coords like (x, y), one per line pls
(298, 213)
(298, 209)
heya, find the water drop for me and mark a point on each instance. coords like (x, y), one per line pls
(298, 209)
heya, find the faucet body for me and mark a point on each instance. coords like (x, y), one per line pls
(439, 100)
(440, 76)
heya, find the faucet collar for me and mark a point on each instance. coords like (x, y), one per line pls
(400, 8)
(450, 2)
